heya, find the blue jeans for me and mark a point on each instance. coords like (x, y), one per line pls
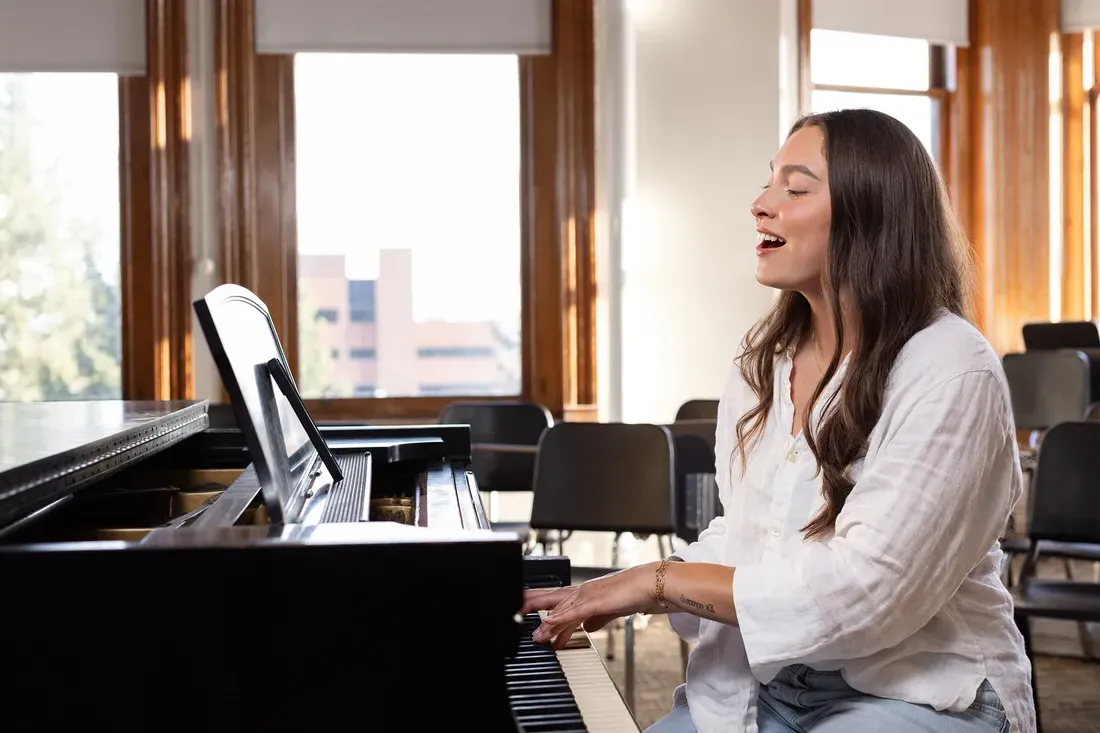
(801, 699)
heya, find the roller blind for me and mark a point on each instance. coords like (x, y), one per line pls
(72, 35)
(407, 26)
(936, 21)
(1080, 15)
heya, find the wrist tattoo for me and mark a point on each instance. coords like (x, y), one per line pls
(709, 608)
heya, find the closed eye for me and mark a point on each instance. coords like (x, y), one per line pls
(792, 192)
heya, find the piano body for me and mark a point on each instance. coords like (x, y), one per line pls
(146, 589)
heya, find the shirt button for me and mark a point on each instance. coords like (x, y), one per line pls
(792, 456)
(775, 531)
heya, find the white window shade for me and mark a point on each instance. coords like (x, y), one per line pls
(72, 35)
(935, 21)
(1080, 15)
(404, 26)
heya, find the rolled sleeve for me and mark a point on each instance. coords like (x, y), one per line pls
(928, 507)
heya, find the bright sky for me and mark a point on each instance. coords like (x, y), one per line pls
(419, 152)
(76, 134)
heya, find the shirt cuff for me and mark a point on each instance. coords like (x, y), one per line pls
(685, 625)
(755, 588)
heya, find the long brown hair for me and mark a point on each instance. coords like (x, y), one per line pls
(896, 250)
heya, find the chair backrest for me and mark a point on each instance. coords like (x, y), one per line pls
(605, 477)
(513, 423)
(1065, 493)
(696, 490)
(698, 410)
(1048, 387)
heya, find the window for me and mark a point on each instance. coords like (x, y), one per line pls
(457, 352)
(908, 83)
(449, 166)
(361, 301)
(409, 200)
(60, 293)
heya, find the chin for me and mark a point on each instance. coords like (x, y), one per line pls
(771, 279)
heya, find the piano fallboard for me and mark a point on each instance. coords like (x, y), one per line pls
(260, 628)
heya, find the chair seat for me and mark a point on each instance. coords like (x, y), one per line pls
(1062, 599)
(1048, 548)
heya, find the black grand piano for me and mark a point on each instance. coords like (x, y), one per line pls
(155, 578)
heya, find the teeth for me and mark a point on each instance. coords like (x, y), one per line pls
(764, 237)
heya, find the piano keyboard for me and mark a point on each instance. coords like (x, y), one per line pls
(565, 690)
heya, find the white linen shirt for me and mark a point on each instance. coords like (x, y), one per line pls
(905, 596)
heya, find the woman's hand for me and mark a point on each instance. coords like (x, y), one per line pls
(594, 603)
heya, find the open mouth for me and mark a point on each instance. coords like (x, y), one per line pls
(769, 241)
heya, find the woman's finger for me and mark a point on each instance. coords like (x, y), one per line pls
(565, 634)
(545, 599)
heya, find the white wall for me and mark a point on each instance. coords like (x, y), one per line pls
(693, 99)
(203, 171)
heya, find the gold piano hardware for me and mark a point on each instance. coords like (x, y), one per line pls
(392, 509)
(147, 499)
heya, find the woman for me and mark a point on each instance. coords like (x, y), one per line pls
(867, 464)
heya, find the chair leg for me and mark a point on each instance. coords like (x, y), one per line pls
(1082, 626)
(611, 626)
(1025, 630)
(629, 662)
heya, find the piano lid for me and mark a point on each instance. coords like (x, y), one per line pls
(48, 450)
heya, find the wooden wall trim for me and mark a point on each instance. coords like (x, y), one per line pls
(1093, 168)
(805, 22)
(1008, 62)
(1074, 244)
(257, 222)
(559, 324)
(157, 358)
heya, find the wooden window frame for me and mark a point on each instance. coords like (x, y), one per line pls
(257, 240)
(938, 84)
(155, 254)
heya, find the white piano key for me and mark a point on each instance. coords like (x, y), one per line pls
(600, 702)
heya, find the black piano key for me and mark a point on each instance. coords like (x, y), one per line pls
(538, 693)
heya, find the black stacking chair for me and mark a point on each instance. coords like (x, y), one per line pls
(696, 492)
(697, 499)
(1065, 509)
(1047, 388)
(606, 477)
(698, 410)
(505, 437)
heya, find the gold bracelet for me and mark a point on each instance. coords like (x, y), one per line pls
(660, 582)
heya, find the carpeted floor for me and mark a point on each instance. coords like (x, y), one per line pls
(1068, 688)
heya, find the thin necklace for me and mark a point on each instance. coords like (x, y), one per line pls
(816, 353)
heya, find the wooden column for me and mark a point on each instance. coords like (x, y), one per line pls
(1009, 128)
(257, 228)
(559, 259)
(156, 238)
(1075, 269)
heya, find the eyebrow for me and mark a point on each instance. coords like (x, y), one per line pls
(794, 168)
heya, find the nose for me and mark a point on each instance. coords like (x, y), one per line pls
(760, 207)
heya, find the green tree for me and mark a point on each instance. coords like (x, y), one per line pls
(60, 321)
(316, 367)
